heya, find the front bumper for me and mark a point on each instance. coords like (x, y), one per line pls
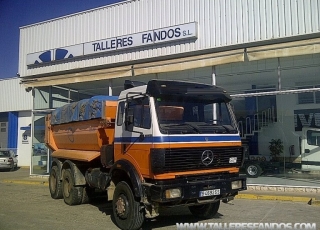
(6, 166)
(192, 186)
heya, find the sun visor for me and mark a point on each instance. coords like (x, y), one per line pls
(158, 88)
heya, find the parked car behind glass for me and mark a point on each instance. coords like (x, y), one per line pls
(8, 160)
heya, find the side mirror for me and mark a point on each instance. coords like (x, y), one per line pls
(129, 120)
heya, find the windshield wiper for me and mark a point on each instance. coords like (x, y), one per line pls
(194, 127)
(216, 128)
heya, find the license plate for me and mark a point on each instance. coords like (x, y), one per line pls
(212, 192)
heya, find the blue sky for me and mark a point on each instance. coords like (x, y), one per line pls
(17, 13)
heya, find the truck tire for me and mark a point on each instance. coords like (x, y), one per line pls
(55, 184)
(253, 170)
(127, 212)
(205, 211)
(72, 195)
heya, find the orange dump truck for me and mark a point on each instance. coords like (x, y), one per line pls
(160, 144)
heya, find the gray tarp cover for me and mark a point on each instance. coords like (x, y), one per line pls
(85, 109)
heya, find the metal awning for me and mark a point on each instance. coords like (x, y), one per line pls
(193, 62)
(288, 49)
(85, 76)
(177, 64)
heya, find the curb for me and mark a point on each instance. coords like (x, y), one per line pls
(26, 182)
(260, 188)
(315, 202)
(273, 197)
(308, 200)
(283, 188)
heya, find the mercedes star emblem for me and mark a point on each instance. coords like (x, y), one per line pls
(207, 157)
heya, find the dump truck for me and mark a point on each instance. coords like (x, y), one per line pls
(161, 144)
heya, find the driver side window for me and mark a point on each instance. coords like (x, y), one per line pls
(141, 112)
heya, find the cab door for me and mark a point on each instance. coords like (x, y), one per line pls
(136, 133)
(310, 144)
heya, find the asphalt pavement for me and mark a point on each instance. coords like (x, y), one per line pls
(261, 188)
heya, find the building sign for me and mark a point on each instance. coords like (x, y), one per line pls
(26, 134)
(152, 37)
(25, 139)
(306, 118)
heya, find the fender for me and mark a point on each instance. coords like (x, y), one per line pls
(79, 178)
(58, 163)
(132, 173)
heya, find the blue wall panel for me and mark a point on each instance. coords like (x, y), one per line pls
(12, 129)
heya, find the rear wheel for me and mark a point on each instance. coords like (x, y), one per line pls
(55, 184)
(12, 167)
(127, 211)
(72, 195)
(205, 211)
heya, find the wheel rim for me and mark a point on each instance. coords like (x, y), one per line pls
(252, 170)
(122, 206)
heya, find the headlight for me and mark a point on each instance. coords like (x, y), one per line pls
(173, 193)
(236, 184)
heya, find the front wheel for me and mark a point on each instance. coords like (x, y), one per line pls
(72, 195)
(205, 211)
(127, 211)
(253, 170)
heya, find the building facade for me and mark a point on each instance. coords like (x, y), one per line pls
(265, 53)
(16, 119)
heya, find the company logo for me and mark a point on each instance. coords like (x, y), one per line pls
(44, 57)
(55, 55)
(61, 54)
(207, 157)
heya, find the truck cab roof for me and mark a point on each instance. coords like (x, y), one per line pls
(157, 88)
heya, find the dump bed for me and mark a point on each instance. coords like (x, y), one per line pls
(81, 127)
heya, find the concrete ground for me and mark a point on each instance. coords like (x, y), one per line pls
(262, 188)
(25, 206)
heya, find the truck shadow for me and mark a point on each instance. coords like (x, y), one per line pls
(167, 217)
(102, 203)
(173, 216)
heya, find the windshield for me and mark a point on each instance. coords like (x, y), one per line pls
(4, 154)
(187, 115)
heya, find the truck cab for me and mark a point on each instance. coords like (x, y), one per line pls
(310, 149)
(156, 119)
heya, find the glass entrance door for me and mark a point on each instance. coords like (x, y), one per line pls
(40, 153)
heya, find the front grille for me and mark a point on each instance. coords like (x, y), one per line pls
(187, 159)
